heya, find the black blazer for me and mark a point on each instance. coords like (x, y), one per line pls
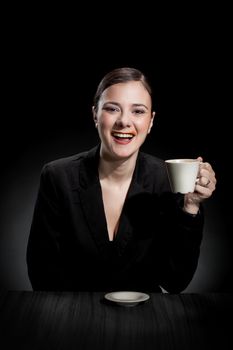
(157, 244)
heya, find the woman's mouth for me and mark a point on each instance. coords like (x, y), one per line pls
(122, 138)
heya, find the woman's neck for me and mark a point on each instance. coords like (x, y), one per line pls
(116, 170)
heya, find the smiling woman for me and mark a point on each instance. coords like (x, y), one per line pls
(106, 219)
(123, 115)
(125, 122)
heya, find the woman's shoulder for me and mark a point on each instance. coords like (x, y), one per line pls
(151, 160)
(152, 173)
(150, 165)
(66, 163)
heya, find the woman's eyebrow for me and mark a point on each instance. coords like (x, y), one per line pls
(119, 105)
(112, 103)
(140, 105)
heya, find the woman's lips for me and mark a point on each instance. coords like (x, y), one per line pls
(122, 138)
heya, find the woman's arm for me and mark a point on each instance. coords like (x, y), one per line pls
(43, 251)
(182, 235)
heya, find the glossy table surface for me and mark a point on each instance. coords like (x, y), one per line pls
(83, 320)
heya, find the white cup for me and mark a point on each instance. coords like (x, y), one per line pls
(182, 174)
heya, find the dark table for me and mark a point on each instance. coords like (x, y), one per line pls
(82, 320)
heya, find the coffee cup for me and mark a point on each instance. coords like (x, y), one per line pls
(182, 174)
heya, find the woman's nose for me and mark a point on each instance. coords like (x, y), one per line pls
(123, 120)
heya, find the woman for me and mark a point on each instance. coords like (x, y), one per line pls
(106, 219)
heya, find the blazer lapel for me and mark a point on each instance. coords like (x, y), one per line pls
(90, 194)
(87, 184)
(125, 230)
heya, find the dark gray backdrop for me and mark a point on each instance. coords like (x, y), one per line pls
(48, 95)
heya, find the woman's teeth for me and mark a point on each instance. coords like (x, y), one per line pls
(122, 136)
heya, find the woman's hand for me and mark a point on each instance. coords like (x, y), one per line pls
(205, 185)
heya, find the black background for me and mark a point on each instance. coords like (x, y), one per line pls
(51, 71)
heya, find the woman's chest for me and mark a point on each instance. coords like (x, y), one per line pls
(113, 202)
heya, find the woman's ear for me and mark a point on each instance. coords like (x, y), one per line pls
(94, 116)
(151, 121)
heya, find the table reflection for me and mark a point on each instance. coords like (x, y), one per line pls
(85, 320)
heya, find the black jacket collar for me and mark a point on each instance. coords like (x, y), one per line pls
(90, 194)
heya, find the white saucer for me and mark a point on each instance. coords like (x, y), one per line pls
(126, 298)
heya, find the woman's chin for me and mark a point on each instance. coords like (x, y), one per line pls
(124, 153)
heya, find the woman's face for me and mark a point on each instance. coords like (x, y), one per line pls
(123, 119)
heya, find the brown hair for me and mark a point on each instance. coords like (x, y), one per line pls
(120, 75)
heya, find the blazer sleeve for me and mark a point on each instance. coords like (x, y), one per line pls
(182, 234)
(43, 250)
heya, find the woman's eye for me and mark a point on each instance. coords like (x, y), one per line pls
(111, 109)
(139, 111)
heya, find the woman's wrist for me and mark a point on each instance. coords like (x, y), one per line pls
(192, 209)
